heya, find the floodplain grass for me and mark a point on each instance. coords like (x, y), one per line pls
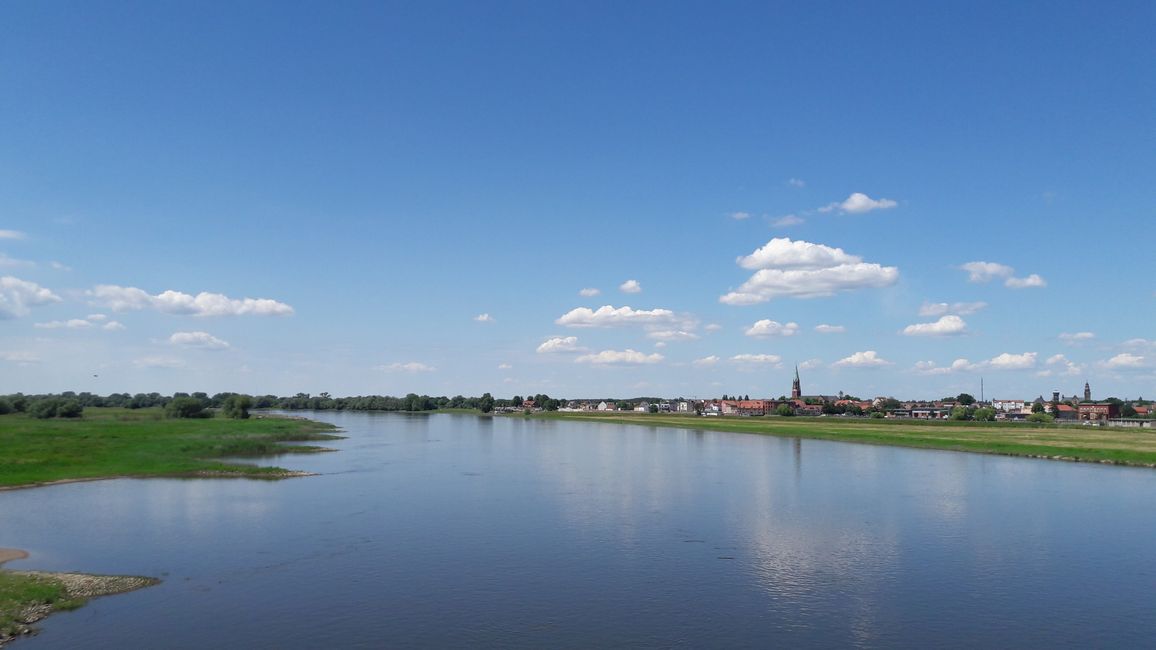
(116, 442)
(1113, 445)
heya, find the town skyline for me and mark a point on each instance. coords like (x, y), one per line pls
(469, 200)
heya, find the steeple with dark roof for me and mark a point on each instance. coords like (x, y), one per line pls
(796, 386)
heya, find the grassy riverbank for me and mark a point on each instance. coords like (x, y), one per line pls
(108, 443)
(1088, 444)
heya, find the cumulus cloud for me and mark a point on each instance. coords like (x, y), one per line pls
(705, 362)
(92, 320)
(484, 318)
(865, 359)
(1030, 282)
(671, 335)
(782, 253)
(560, 344)
(119, 298)
(12, 262)
(619, 357)
(58, 266)
(803, 269)
(18, 296)
(933, 309)
(1076, 337)
(589, 292)
(980, 272)
(810, 364)
(19, 357)
(739, 216)
(946, 326)
(766, 327)
(929, 367)
(409, 366)
(609, 316)
(158, 362)
(859, 203)
(11, 234)
(771, 359)
(1058, 364)
(1008, 361)
(787, 220)
(830, 329)
(630, 286)
(713, 327)
(200, 340)
(504, 366)
(796, 182)
(1126, 360)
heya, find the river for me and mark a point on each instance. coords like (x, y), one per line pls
(461, 531)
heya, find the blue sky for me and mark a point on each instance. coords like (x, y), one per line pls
(378, 198)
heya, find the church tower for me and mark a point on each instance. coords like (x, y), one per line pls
(796, 387)
(1087, 392)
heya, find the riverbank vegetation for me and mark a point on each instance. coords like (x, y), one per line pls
(1113, 445)
(120, 442)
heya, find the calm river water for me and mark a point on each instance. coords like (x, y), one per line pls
(460, 531)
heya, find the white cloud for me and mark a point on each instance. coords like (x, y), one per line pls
(757, 358)
(589, 292)
(933, 309)
(796, 182)
(623, 357)
(112, 326)
(96, 318)
(1126, 360)
(929, 367)
(830, 329)
(1030, 282)
(765, 328)
(174, 302)
(802, 269)
(1077, 337)
(946, 326)
(18, 296)
(609, 316)
(671, 335)
(782, 253)
(713, 327)
(484, 318)
(72, 324)
(1008, 361)
(1069, 368)
(859, 203)
(810, 364)
(19, 357)
(12, 262)
(986, 271)
(660, 344)
(158, 362)
(504, 366)
(560, 344)
(11, 234)
(739, 216)
(773, 283)
(410, 366)
(59, 266)
(865, 359)
(201, 340)
(630, 286)
(786, 221)
(705, 362)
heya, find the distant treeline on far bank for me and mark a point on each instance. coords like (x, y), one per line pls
(70, 403)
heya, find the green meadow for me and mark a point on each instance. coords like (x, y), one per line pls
(108, 442)
(1113, 445)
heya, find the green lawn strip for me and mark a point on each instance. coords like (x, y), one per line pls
(1124, 447)
(117, 442)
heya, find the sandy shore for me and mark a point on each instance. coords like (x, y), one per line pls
(78, 587)
(9, 554)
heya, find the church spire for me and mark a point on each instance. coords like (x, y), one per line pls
(796, 386)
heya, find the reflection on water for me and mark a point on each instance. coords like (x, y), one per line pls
(454, 530)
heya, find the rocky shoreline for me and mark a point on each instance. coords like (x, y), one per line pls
(77, 589)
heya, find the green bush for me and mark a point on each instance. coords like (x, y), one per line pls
(70, 409)
(1041, 417)
(236, 407)
(186, 407)
(43, 409)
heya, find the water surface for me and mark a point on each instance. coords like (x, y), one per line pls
(454, 530)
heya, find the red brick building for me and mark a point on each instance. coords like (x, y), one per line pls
(1095, 411)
